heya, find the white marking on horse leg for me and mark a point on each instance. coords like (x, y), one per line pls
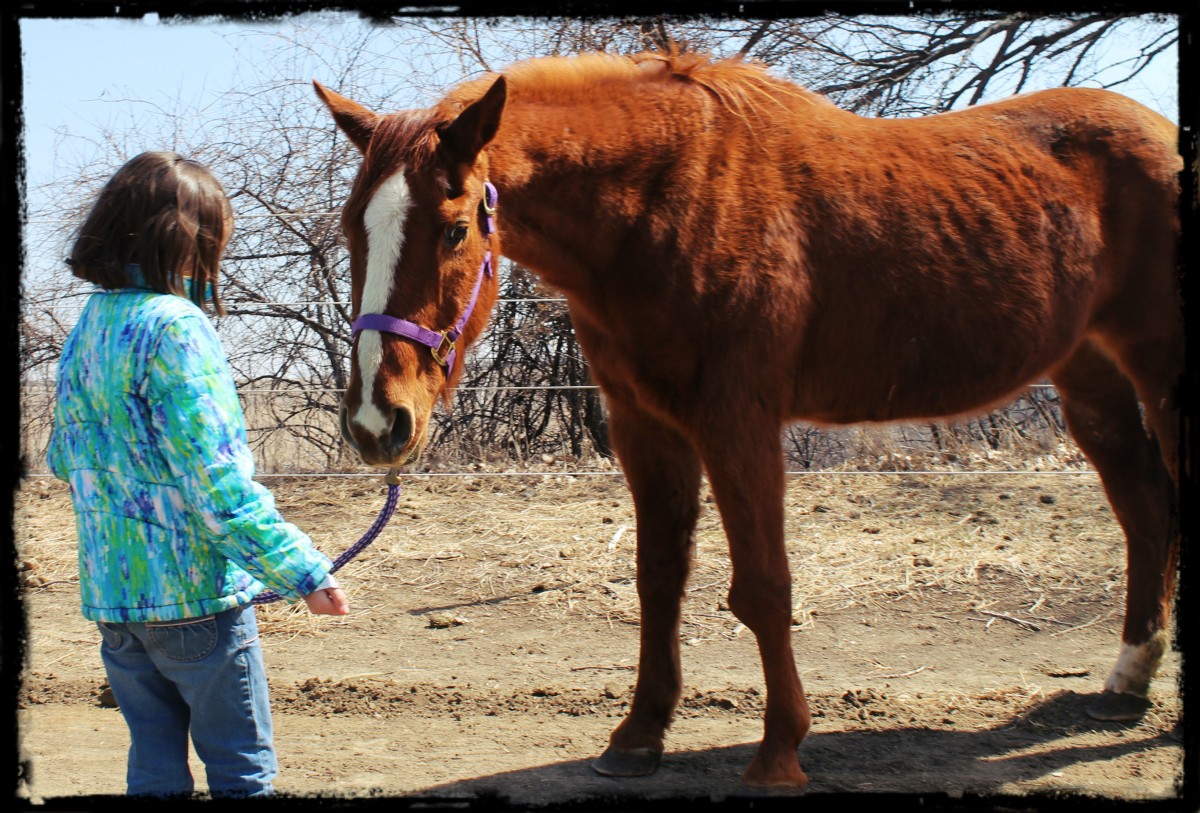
(384, 222)
(1137, 665)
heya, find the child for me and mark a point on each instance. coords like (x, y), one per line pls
(175, 537)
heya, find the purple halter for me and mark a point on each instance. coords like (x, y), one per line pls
(441, 344)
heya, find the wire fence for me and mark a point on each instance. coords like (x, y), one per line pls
(900, 450)
(294, 432)
(526, 397)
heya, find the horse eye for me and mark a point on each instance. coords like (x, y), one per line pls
(455, 234)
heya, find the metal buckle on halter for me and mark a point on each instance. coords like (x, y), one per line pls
(488, 208)
(442, 352)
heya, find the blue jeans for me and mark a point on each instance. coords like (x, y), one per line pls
(205, 674)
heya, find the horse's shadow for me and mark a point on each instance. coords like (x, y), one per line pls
(922, 765)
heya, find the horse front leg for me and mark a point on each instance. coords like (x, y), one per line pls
(746, 473)
(663, 473)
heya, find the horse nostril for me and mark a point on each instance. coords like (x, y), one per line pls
(402, 428)
(344, 420)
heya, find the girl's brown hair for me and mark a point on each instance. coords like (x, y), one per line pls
(166, 213)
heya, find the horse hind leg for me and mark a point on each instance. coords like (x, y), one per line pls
(1101, 409)
(663, 472)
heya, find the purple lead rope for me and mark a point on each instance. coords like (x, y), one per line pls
(389, 507)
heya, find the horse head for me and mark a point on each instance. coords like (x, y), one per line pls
(419, 226)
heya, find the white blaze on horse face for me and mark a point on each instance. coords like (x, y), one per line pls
(384, 222)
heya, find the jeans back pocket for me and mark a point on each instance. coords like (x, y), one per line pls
(112, 634)
(190, 639)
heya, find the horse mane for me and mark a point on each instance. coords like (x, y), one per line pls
(744, 88)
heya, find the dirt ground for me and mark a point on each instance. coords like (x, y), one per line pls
(949, 629)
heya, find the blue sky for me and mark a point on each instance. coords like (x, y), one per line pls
(85, 77)
(78, 74)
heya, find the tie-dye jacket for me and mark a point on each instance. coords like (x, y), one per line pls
(151, 437)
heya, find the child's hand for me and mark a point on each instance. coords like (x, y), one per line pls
(327, 601)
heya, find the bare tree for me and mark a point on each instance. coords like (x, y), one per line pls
(894, 66)
(526, 390)
(878, 66)
(919, 65)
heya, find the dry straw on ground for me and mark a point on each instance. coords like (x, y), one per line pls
(564, 543)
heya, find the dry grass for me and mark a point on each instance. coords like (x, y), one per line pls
(564, 544)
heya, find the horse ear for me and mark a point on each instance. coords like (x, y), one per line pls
(476, 126)
(356, 121)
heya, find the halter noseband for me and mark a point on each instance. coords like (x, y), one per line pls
(441, 344)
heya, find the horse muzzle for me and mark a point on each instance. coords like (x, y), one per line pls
(382, 437)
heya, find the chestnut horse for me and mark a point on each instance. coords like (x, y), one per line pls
(737, 252)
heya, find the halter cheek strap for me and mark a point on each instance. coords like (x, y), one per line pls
(443, 344)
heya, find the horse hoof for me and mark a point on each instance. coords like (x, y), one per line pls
(788, 778)
(1118, 707)
(628, 762)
